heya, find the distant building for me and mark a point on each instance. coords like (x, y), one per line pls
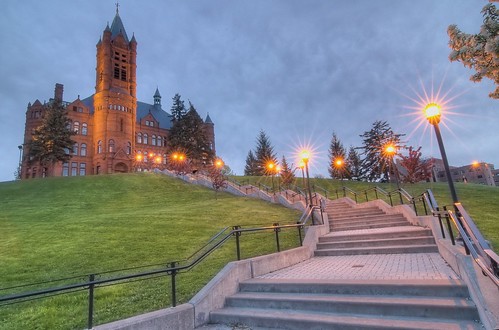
(112, 127)
(481, 173)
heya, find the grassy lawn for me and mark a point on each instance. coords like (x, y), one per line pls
(481, 202)
(71, 227)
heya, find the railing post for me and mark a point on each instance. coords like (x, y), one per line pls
(441, 224)
(400, 196)
(376, 193)
(451, 234)
(414, 206)
(174, 287)
(237, 234)
(344, 192)
(391, 202)
(277, 230)
(91, 301)
(299, 232)
(365, 192)
(425, 209)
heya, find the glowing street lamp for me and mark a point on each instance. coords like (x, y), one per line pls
(338, 163)
(390, 151)
(432, 112)
(271, 168)
(219, 163)
(301, 166)
(305, 157)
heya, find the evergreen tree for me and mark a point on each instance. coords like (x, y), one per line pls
(415, 169)
(354, 165)
(251, 167)
(287, 174)
(336, 153)
(187, 135)
(479, 51)
(178, 108)
(52, 141)
(264, 153)
(375, 164)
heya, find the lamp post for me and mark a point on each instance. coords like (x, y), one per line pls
(338, 163)
(271, 169)
(19, 169)
(138, 160)
(305, 157)
(432, 112)
(301, 166)
(277, 172)
(390, 150)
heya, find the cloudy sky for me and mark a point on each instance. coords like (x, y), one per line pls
(299, 70)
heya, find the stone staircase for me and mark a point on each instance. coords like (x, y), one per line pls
(311, 303)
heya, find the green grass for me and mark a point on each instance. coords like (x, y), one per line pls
(64, 227)
(481, 202)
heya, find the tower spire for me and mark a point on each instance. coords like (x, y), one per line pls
(117, 8)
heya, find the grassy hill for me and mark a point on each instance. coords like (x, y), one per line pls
(68, 227)
(71, 227)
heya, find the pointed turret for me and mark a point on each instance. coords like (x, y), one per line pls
(117, 27)
(208, 119)
(157, 98)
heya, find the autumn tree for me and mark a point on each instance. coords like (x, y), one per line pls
(51, 141)
(479, 51)
(415, 169)
(336, 153)
(375, 164)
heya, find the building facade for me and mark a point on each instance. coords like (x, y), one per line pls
(114, 132)
(477, 172)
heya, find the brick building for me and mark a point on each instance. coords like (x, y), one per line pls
(112, 127)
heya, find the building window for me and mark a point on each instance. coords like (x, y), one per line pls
(116, 71)
(74, 168)
(128, 148)
(65, 169)
(83, 169)
(75, 149)
(84, 129)
(66, 151)
(76, 127)
(99, 147)
(83, 149)
(111, 145)
(153, 140)
(145, 138)
(139, 138)
(164, 159)
(68, 125)
(159, 142)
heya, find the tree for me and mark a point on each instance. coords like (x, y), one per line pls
(264, 153)
(251, 167)
(52, 141)
(336, 153)
(479, 51)
(287, 174)
(187, 135)
(415, 168)
(354, 165)
(375, 164)
(218, 178)
(178, 108)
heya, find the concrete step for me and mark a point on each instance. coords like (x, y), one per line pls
(349, 212)
(393, 249)
(418, 240)
(424, 307)
(417, 288)
(288, 319)
(366, 220)
(404, 231)
(368, 217)
(379, 224)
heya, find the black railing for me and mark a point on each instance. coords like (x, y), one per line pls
(172, 269)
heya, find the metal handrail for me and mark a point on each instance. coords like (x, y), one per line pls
(314, 186)
(172, 270)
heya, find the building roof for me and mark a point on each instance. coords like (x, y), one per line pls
(117, 27)
(208, 119)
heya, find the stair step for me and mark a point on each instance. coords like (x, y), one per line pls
(288, 319)
(345, 222)
(424, 307)
(367, 217)
(422, 288)
(370, 226)
(394, 249)
(405, 231)
(421, 240)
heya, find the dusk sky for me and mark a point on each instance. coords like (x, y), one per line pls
(299, 70)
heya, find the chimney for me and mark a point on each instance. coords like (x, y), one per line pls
(59, 89)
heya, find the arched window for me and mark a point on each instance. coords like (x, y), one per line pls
(159, 142)
(83, 149)
(153, 140)
(75, 149)
(69, 123)
(76, 127)
(111, 145)
(84, 129)
(145, 138)
(99, 147)
(128, 148)
(139, 138)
